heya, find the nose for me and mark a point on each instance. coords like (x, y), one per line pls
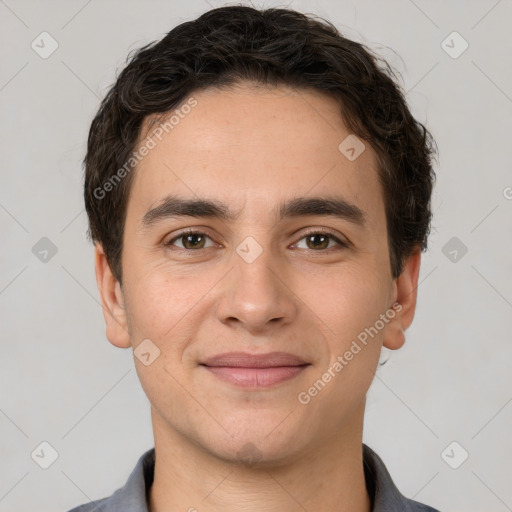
(256, 293)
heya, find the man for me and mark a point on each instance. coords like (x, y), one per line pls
(259, 196)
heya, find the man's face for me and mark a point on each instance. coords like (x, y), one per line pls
(258, 283)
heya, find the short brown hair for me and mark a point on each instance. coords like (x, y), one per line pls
(271, 47)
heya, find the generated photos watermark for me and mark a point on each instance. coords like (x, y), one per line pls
(144, 148)
(305, 397)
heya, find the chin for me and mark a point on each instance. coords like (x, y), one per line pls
(259, 443)
(253, 454)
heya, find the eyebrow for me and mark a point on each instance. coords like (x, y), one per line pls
(174, 207)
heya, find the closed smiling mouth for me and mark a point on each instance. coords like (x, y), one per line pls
(255, 371)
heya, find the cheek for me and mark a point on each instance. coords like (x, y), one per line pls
(350, 307)
(161, 307)
(349, 301)
(160, 301)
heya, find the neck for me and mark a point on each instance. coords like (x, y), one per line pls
(189, 478)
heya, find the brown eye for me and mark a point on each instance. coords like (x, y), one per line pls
(319, 240)
(190, 240)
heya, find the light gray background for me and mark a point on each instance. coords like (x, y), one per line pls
(61, 380)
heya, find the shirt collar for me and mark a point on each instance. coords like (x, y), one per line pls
(384, 495)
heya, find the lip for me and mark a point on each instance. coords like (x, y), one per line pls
(247, 360)
(255, 371)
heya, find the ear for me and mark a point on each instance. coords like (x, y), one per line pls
(405, 293)
(112, 301)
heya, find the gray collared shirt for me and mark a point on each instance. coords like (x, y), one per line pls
(132, 497)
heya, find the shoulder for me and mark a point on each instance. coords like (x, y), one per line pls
(132, 496)
(416, 506)
(93, 506)
(383, 491)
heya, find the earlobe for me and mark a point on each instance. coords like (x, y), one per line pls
(406, 285)
(112, 301)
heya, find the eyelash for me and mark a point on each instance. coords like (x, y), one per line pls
(313, 232)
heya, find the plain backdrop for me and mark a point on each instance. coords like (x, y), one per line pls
(63, 383)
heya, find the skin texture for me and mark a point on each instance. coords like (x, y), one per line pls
(251, 148)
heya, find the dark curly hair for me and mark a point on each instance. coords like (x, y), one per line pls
(270, 47)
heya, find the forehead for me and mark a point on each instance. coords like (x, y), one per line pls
(250, 146)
